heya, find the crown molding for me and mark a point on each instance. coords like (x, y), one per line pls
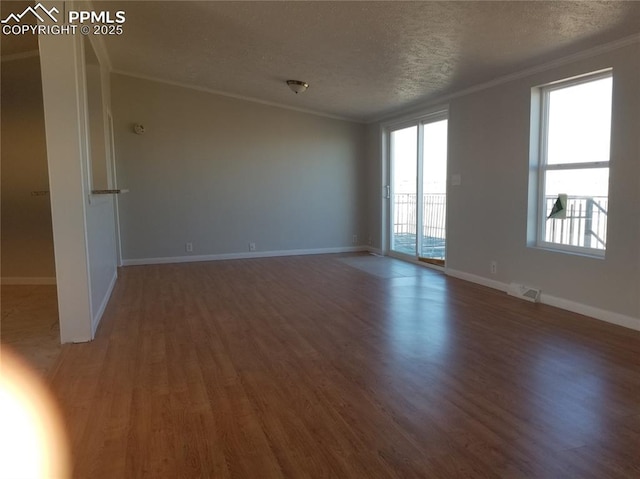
(236, 96)
(591, 52)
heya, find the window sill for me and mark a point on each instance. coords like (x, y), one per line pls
(574, 251)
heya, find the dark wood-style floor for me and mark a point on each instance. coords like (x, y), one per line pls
(344, 367)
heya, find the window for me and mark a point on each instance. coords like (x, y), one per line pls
(573, 163)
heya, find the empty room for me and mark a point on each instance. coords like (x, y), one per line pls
(320, 239)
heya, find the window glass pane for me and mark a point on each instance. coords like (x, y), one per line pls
(434, 189)
(586, 208)
(579, 123)
(404, 164)
(578, 182)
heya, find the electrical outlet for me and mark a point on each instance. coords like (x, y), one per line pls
(188, 247)
(494, 267)
(355, 239)
(252, 246)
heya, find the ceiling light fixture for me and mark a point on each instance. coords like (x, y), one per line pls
(297, 86)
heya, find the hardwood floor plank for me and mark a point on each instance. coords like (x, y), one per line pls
(29, 324)
(344, 366)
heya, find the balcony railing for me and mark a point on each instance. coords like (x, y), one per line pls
(584, 226)
(433, 224)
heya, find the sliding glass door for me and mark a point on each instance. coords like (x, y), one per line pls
(417, 190)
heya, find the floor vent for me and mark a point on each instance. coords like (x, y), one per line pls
(524, 292)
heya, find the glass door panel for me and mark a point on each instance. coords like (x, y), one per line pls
(404, 184)
(434, 191)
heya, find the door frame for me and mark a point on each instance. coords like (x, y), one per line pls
(417, 119)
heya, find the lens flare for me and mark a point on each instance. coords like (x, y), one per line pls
(33, 443)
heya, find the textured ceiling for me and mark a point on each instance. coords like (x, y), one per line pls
(363, 60)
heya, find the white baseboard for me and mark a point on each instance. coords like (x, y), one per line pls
(568, 305)
(28, 280)
(490, 283)
(376, 251)
(247, 255)
(103, 305)
(591, 311)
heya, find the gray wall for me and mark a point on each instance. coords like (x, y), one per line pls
(375, 184)
(27, 237)
(487, 214)
(101, 210)
(221, 172)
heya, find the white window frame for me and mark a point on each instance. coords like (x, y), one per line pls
(543, 166)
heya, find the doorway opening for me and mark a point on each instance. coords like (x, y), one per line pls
(30, 322)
